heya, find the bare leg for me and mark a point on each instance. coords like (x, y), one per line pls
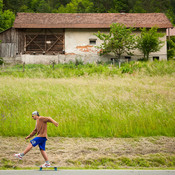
(29, 147)
(44, 155)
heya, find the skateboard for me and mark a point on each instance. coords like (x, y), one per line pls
(55, 168)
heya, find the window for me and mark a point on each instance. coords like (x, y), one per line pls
(155, 58)
(128, 58)
(92, 41)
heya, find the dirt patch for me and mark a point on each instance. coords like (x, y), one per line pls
(71, 152)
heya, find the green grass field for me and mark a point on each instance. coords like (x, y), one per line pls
(125, 105)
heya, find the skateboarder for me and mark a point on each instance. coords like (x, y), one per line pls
(40, 140)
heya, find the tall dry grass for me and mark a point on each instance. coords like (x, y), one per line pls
(125, 106)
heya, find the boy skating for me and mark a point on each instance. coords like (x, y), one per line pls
(40, 140)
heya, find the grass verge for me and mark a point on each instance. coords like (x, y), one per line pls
(92, 153)
(79, 70)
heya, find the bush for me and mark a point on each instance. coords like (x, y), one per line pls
(72, 70)
(171, 45)
(78, 62)
(1, 61)
(131, 67)
(171, 54)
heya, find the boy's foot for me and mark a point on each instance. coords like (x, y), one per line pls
(46, 165)
(18, 156)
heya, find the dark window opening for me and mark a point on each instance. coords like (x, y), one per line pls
(155, 58)
(92, 41)
(128, 57)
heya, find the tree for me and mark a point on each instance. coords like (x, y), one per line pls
(118, 6)
(112, 6)
(43, 7)
(1, 5)
(138, 7)
(25, 8)
(64, 2)
(149, 41)
(13, 5)
(76, 6)
(171, 46)
(6, 18)
(170, 15)
(119, 40)
(102, 6)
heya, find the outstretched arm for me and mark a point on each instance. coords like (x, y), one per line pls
(53, 121)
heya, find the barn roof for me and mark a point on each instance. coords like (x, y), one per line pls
(90, 20)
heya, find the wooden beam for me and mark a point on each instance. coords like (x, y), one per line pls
(52, 45)
(31, 39)
(57, 36)
(37, 44)
(25, 43)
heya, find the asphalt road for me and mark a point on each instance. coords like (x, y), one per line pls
(88, 172)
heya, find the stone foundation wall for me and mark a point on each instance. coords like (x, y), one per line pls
(89, 58)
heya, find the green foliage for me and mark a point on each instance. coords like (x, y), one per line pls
(78, 69)
(142, 6)
(40, 6)
(171, 48)
(7, 18)
(43, 7)
(1, 5)
(138, 7)
(25, 9)
(149, 41)
(119, 40)
(117, 6)
(170, 15)
(78, 62)
(1, 60)
(132, 67)
(76, 6)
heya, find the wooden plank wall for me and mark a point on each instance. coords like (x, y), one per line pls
(8, 50)
(8, 46)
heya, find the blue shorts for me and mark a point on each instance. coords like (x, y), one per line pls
(40, 141)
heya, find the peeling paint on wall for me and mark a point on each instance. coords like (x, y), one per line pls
(87, 48)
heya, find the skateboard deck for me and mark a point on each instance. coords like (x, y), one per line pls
(54, 167)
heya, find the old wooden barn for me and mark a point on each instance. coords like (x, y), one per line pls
(43, 37)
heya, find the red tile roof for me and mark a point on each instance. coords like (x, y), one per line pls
(90, 20)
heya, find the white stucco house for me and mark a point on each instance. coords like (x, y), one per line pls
(44, 37)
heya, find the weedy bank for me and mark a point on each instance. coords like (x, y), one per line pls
(78, 69)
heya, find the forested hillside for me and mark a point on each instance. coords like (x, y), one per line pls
(84, 6)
